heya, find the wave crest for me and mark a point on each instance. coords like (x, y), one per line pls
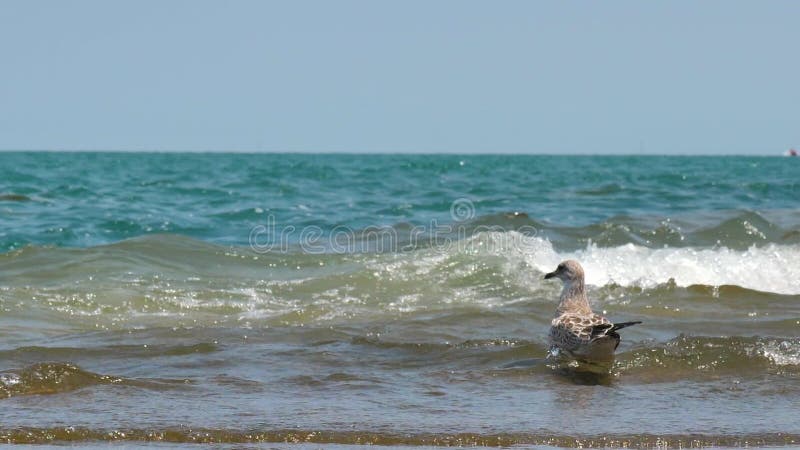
(771, 268)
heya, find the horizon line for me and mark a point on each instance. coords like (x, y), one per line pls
(376, 153)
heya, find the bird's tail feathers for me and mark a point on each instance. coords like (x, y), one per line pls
(619, 326)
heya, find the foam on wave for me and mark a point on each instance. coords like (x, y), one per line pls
(167, 281)
(771, 268)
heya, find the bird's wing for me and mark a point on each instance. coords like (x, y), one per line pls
(569, 331)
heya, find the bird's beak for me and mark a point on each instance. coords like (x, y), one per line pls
(549, 275)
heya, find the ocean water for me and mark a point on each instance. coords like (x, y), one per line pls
(308, 301)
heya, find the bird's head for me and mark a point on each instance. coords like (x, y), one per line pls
(568, 271)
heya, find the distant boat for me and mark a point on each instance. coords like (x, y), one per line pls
(791, 152)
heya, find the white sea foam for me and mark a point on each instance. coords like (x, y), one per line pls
(9, 380)
(771, 268)
(783, 353)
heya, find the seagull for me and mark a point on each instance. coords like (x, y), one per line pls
(576, 330)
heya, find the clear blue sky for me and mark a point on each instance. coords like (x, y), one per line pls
(423, 76)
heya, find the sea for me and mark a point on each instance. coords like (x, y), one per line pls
(332, 300)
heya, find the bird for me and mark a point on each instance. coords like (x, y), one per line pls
(575, 330)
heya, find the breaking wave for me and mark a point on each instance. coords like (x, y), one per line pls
(157, 279)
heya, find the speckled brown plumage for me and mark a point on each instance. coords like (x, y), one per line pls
(575, 329)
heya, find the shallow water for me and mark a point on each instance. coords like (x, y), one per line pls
(162, 298)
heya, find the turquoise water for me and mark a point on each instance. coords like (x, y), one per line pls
(87, 199)
(394, 299)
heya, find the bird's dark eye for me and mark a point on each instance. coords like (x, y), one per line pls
(560, 267)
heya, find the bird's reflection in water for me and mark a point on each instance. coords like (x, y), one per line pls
(585, 378)
(581, 372)
(577, 372)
